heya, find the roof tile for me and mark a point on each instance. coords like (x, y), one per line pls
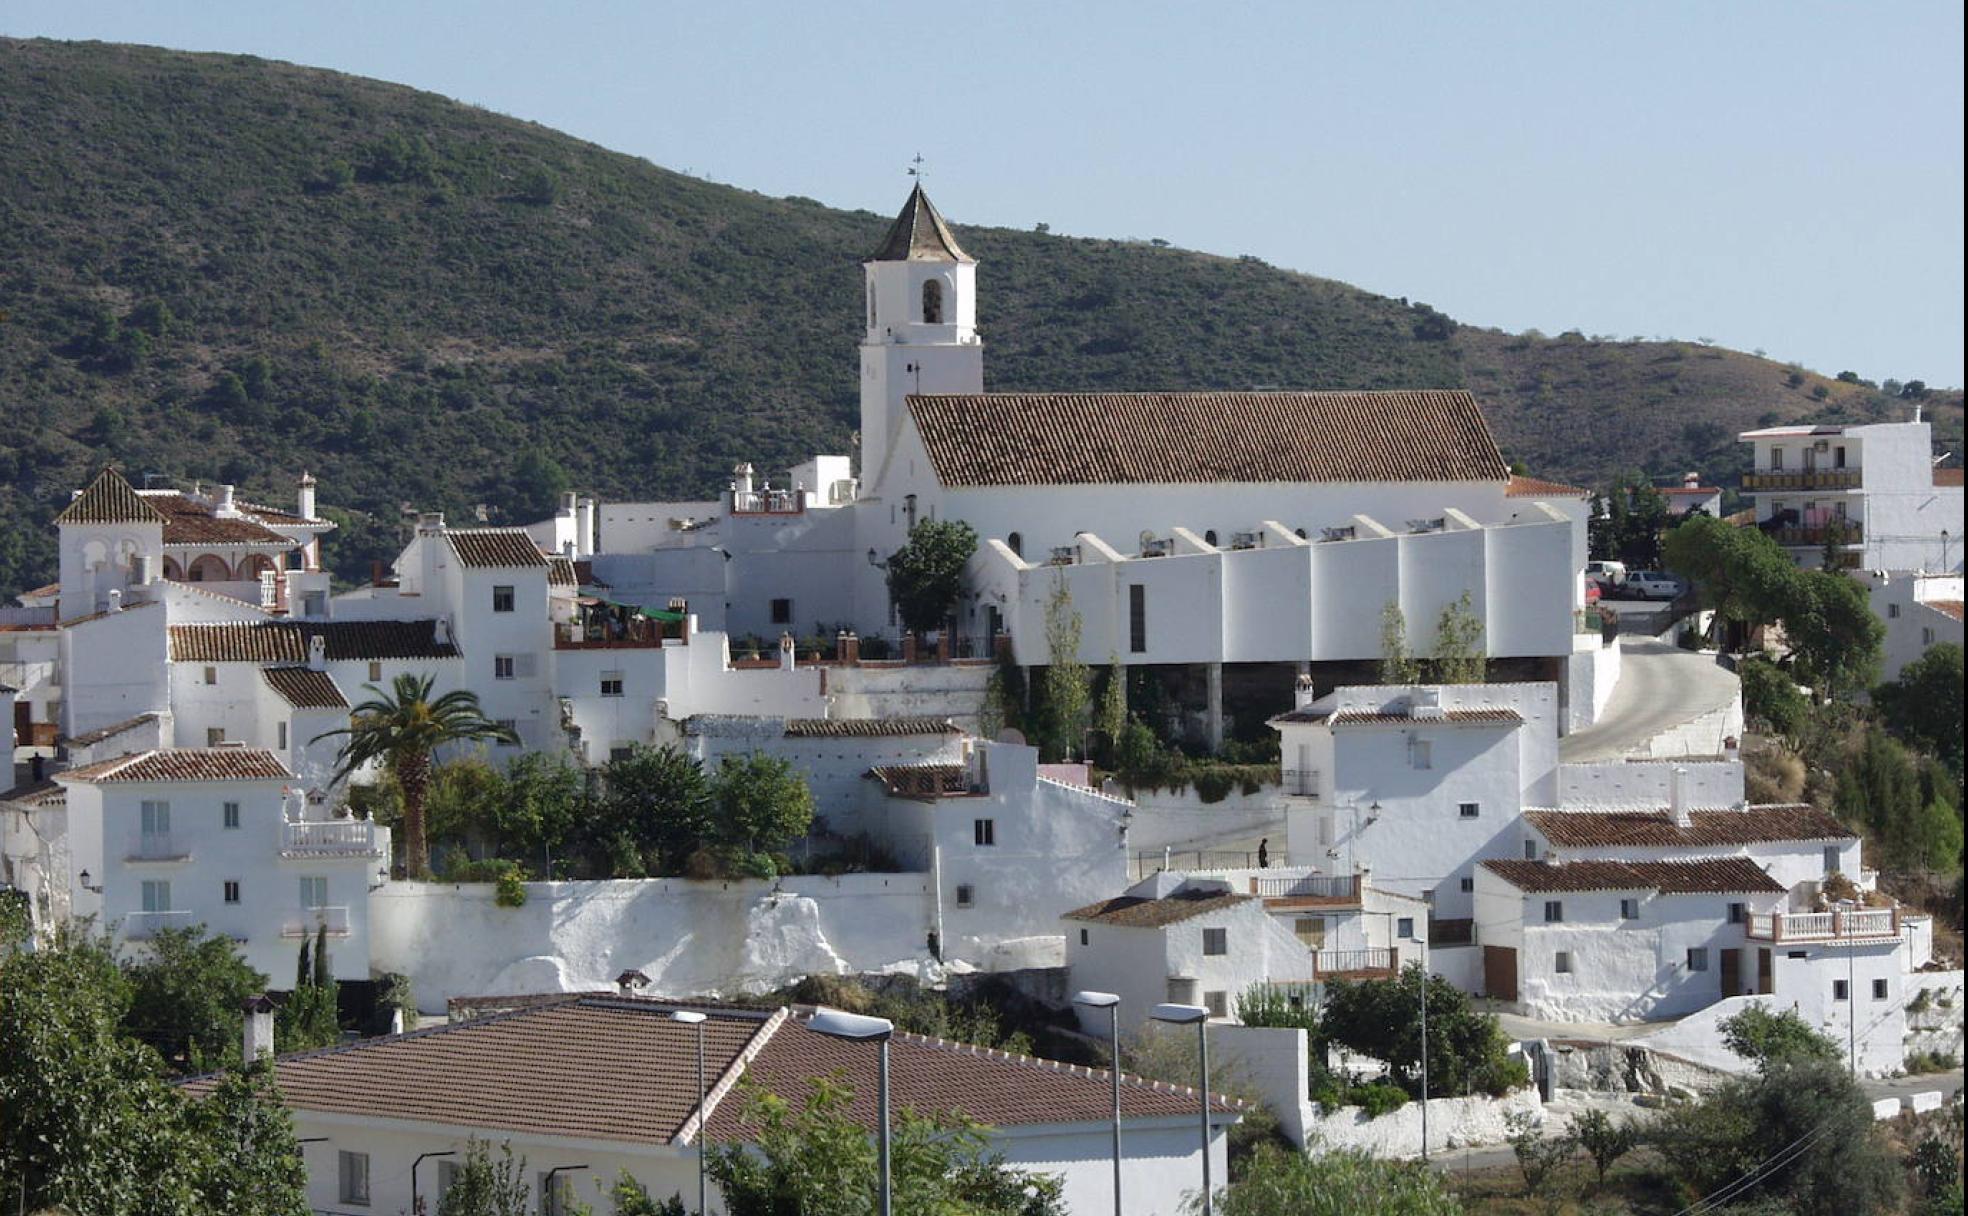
(109, 499)
(1756, 825)
(919, 235)
(1718, 876)
(304, 687)
(193, 521)
(287, 641)
(495, 548)
(866, 728)
(184, 764)
(1533, 487)
(1140, 912)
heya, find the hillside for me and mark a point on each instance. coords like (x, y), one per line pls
(226, 268)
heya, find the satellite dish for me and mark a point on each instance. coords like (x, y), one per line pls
(1013, 736)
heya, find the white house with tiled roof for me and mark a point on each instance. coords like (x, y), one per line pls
(1920, 611)
(220, 837)
(1875, 484)
(623, 1097)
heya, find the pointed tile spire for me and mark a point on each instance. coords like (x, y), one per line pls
(110, 499)
(919, 235)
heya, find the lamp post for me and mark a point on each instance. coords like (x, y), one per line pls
(1196, 1015)
(416, 1204)
(690, 1017)
(550, 1198)
(859, 1028)
(1112, 1004)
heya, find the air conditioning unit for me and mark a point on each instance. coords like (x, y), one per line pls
(1157, 548)
(1426, 525)
(1244, 540)
(1064, 555)
(1346, 533)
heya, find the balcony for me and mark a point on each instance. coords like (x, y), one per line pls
(159, 847)
(1801, 479)
(1844, 925)
(1370, 963)
(1299, 782)
(310, 920)
(332, 838)
(142, 926)
(1311, 890)
(1848, 531)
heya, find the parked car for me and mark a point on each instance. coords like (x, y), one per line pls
(1654, 585)
(1608, 573)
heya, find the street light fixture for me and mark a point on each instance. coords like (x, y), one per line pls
(1197, 1016)
(1112, 1004)
(549, 1197)
(690, 1017)
(415, 1202)
(859, 1028)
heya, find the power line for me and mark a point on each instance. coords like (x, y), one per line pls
(1756, 1173)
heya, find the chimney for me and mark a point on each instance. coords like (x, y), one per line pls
(1303, 693)
(568, 502)
(584, 518)
(430, 522)
(317, 652)
(1691, 480)
(258, 1041)
(630, 980)
(39, 766)
(115, 600)
(304, 497)
(741, 478)
(225, 506)
(376, 572)
(1677, 797)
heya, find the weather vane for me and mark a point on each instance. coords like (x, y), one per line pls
(916, 169)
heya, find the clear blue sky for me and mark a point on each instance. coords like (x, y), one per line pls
(1778, 176)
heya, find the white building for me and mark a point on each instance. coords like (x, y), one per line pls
(179, 837)
(1689, 495)
(369, 1111)
(1874, 485)
(1920, 611)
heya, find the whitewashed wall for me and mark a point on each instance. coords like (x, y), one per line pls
(113, 669)
(1453, 1123)
(1648, 785)
(1698, 1037)
(951, 690)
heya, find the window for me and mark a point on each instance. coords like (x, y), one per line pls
(280, 732)
(1530, 850)
(1831, 859)
(1839, 992)
(1776, 458)
(353, 1169)
(1738, 914)
(155, 818)
(1797, 954)
(1926, 635)
(156, 895)
(1554, 911)
(966, 895)
(1893, 612)
(502, 599)
(1310, 931)
(1404, 926)
(375, 672)
(984, 832)
(1466, 886)
(211, 675)
(1838, 457)
(1698, 958)
(1083, 937)
(232, 890)
(314, 891)
(1420, 754)
(1137, 618)
(511, 728)
(1468, 810)
(1629, 909)
(611, 683)
(1216, 941)
(229, 816)
(1218, 1004)
(621, 753)
(214, 736)
(1562, 963)
(933, 302)
(502, 667)
(782, 612)
(447, 1177)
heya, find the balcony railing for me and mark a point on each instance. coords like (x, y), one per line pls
(142, 926)
(1802, 479)
(310, 920)
(1838, 925)
(155, 846)
(331, 838)
(1849, 532)
(1334, 887)
(1354, 962)
(1300, 782)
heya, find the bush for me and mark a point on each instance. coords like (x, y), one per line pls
(1766, 1038)
(510, 888)
(1931, 1061)
(1379, 1099)
(1286, 1182)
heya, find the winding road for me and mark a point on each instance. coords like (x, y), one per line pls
(1660, 687)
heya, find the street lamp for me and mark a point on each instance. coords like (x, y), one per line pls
(1197, 1016)
(1112, 1004)
(690, 1017)
(416, 1203)
(549, 1197)
(859, 1028)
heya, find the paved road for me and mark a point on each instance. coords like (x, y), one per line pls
(1660, 687)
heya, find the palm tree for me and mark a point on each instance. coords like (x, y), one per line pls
(400, 730)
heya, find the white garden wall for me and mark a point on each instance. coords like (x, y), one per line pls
(1452, 1123)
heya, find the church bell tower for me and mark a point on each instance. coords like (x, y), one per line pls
(922, 335)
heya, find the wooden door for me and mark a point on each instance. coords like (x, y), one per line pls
(1500, 973)
(1766, 980)
(23, 724)
(1731, 972)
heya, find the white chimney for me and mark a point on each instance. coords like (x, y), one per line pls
(115, 600)
(317, 652)
(304, 497)
(1303, 695)
(1677, 797)
(430, 522)
(258, 1042)
(1691, 480)
(225, 506)
(585, 520)
(741, 478)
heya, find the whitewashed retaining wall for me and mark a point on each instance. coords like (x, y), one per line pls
(1937, 1028)
(1591, 670)
(1164, 818)
(1635, 783)
(1698, 1037)
(690, 938)
(953, 691)
(1452, 1123)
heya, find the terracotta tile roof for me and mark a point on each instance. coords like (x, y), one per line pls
(584, 575)
(42, 794)
(1533, 487)
(937, 1076)
(1757, 825)
(1697, 491)
(91, 738)
(1140, 912)
(190, 521)
(185, 764)
(866, 728)
(109, 499)
(994, 439)
(41, 593)
(287, 641)
(919, 235)
(304, 688)
(1727, 874)
(922, 780)
(495, 548)
(561, 572)
(1362, 717)
(1946, 607)
(1947, 477)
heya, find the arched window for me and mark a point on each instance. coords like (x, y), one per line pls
(1209, 537)
(173, 571)
(1016, 544)
(933, 302)
(210, 569)
(254, 566)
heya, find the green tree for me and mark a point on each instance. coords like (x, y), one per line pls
(762, 803)
(1879, 789)
(1110, 716)
(1770, 695)
(1066, 683)
(1604, 1140)
(465, 800)
(925, 576)
(486, 1185)
(541, 807)
(815, 1160)
(656, 801)
(1466, 1049)
(629, 1197)
(186, 990)
(1459, 644)
(1767, 1039)
(1834, 634)
(250, 1161)
(1924, 705)
(538, 481)
(538, 186)
(1139, 759)
(1740, 573)
(401, 730)
(1397, 665)
(1349, 1182)
(311, 1016)
(1538, 1155)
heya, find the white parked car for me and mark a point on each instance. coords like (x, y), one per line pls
(1611, 574)
(1653, 585)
